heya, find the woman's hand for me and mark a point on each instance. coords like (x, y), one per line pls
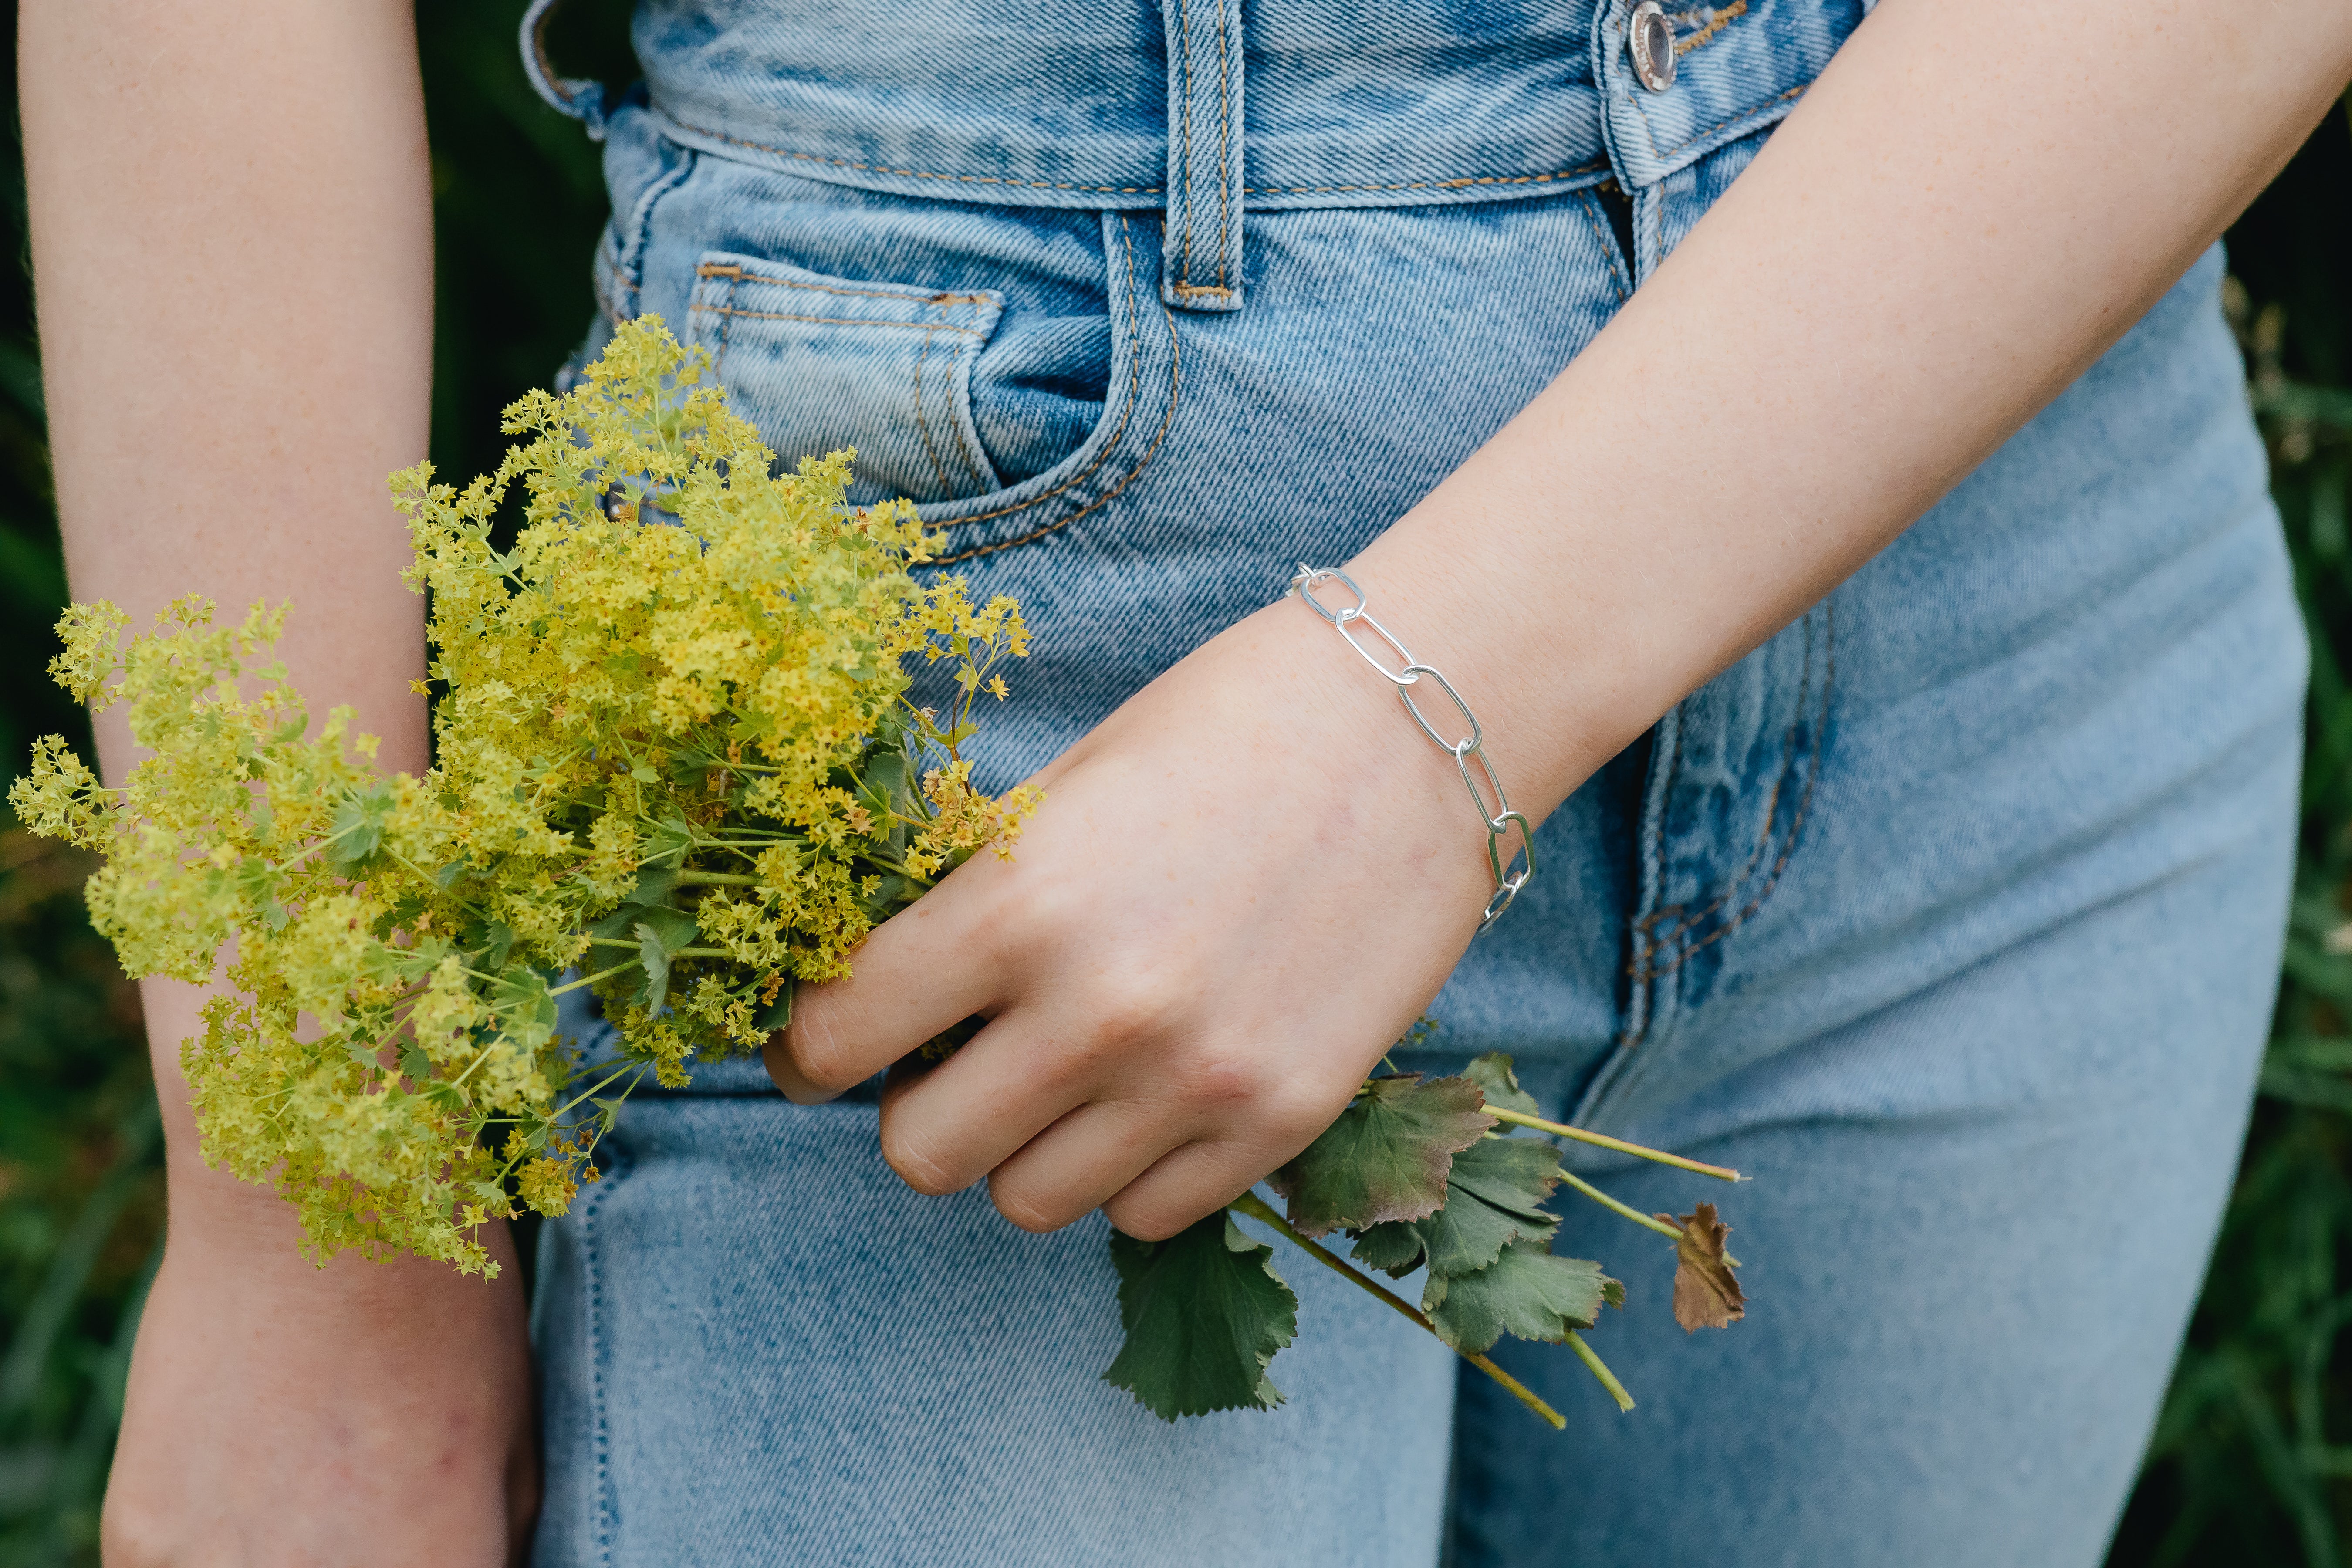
(278, 1414)
(1241, 889)
(1249, 881)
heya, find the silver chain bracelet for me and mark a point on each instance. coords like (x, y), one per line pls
(1511, 875)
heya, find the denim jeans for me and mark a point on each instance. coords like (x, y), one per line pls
(1950, 914)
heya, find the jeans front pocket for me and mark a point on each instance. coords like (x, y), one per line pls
(1015, 383)
(884, 368)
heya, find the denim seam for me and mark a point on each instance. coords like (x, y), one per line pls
(925, 327)
(1126, 409)
(1184, 159)
(591, 1211)
(1689, 921)
(1796, 825)
(744, 274)
(930, 447)
(1769, 106)
(915, 173)
(1643, 1000)
(1460, 183)
(629, 267)
(1713, 25)
(1608, 239)
(959, 418)
(1657, 226)
(1691, 918)
(726, 321)
(1126, 413)
(1167, 420)
(1224, 147)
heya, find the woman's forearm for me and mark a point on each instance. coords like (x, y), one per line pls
(232, 254)
(1971, 205)
(232, 246)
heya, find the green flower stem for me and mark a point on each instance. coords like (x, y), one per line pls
(1603, 1141)
(1598, 1368)
(716, 879)
(639, 947)
(569, 1106)
(1257, 1208)
(313, 849)
(1649, 1221)
(591, 979)
(1613, 1206)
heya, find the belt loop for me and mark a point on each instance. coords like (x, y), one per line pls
(1201, 266)
(583, 101)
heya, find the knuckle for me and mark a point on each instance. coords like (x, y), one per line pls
(917, 1164)
(818, 1045)
(1150, 1220)
(1137, 1007)
(1295, 1114)
(1030, 1211)
(1032, 918)
(1223, 1082)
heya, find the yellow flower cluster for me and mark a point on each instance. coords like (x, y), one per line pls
(674, 750)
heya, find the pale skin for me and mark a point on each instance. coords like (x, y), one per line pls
(1186, 976)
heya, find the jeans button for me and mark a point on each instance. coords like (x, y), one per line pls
(1650, 39)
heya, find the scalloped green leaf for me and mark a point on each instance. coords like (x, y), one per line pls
(1493, 1197)
(1204, 1314)
(1386, 1157)
(1393, 1246)
(1525, 1292)
(1493, 1075)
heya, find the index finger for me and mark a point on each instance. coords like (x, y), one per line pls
(924, 970)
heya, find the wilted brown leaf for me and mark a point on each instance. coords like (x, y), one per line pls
(1706, 1294)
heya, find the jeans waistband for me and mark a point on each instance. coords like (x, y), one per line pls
(1197, 109)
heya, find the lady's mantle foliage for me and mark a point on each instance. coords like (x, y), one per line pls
(1413, 1173)
(678, 757)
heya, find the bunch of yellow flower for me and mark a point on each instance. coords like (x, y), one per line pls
(674, 751)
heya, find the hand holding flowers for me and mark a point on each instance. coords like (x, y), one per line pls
(677, 759)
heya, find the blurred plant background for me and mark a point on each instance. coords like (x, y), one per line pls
(2253, 1461)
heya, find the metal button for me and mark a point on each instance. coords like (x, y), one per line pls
(1650, 39)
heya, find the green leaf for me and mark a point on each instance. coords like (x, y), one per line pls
(1493, 1075)
(672, 929)
(1525, 1292)
(656, 884)
(1493, 1197)
(356, 830)
(778, 1014)
(1386, 1157)
(667, 845)
(415, 1064)
(656, 958)
(884, 782)
(1393, 1246)
(489, 942)
(1204, 1314)
(525, 1006)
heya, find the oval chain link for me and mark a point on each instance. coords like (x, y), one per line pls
(1512, 869)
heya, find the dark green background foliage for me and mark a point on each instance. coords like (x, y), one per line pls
(2253, 1461)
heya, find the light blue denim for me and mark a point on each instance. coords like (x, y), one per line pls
(1951, 914)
